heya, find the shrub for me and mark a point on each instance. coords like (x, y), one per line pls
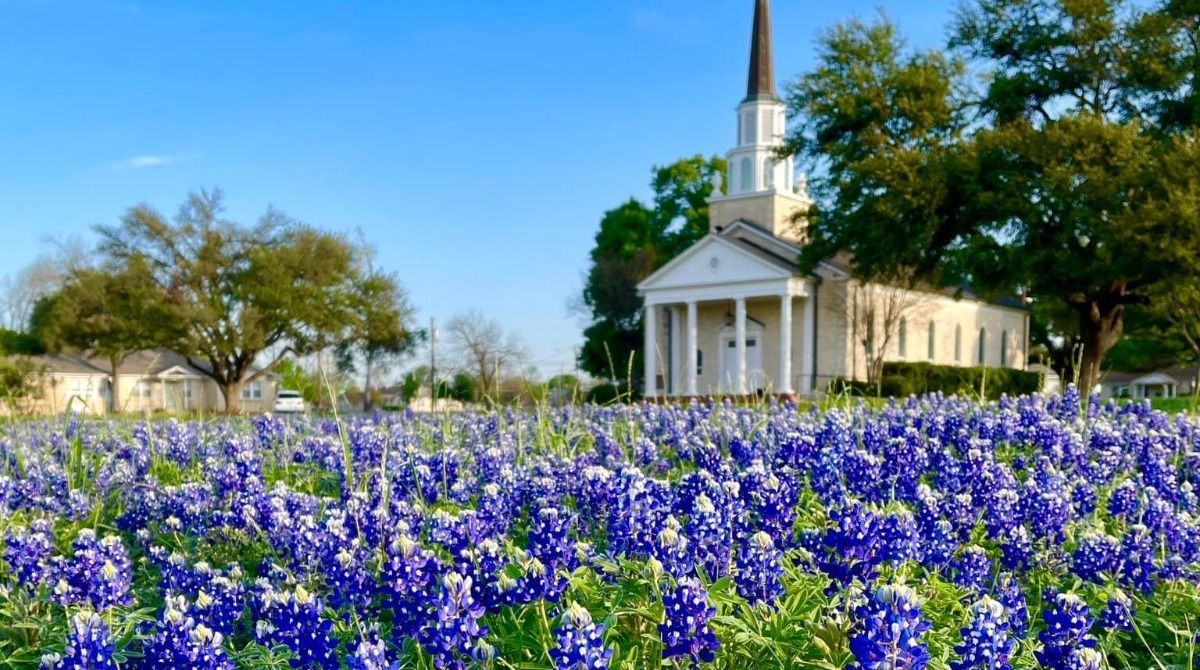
(604, 394)
(902, 379)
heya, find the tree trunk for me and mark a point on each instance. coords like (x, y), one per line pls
(232, 393)
(1101, 325)
(114, 387)
(367, 401)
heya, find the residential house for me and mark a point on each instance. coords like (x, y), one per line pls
(1170, 382)
(149, 381)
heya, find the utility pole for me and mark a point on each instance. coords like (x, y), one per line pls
(432, 363)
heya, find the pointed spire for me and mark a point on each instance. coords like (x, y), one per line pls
(761, 83)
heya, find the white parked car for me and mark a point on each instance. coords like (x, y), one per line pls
(288, 402)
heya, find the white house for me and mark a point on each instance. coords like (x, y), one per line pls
(150, 381)
(733, 315)
(1172, 382)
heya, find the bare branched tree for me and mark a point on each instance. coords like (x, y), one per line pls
(483, 349)
(876, 312)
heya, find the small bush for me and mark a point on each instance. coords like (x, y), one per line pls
(900, 380)
(604, 394)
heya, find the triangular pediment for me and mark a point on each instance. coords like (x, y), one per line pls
(713, 261)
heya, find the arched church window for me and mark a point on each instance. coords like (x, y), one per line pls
(768, 173)
(749, 129)
(982, 345)
(932, 340)
(902, 338)
(699, 362)
(958, 343)
(747, 171)
(1004, 349)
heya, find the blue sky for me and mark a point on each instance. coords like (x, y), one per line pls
(475, 143)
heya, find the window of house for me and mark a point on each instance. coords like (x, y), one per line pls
(252, 391)
(932, 341)
(145, 390)
(699, 362)
(958, 344)
(1004, 349)
(81, 387)
(902, 338)
(747, 170)
(982, 345)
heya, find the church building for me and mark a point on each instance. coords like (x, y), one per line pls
(732, 314)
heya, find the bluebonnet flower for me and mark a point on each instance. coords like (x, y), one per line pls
(371, 654)
(987, 643)
(180, 642)
(673, 550)
(98, 573)
(580, 642)
(1096, 554)
(452, 633)
(549, 539)
(1016, 549)
(1008, 592)
(1137, 559)
(711, 533)
(685, 631)
(851, 546)
(408, 581)
(972, 568)
(293, 619)
(759, 570)
(1086, 659)
(1117, 614)
(889, 631)
(219, 603)
(27, 552)
(900, 538)
(1068, 622)
(347, 576)
(88, 646)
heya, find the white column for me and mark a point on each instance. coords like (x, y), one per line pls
(676, 350)
(740, 334)
(808, 382)
(650, 350)
(784, 385)
(690, 349)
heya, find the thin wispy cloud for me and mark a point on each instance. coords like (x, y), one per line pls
(143, 161)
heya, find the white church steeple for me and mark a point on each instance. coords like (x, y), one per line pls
(761, 187)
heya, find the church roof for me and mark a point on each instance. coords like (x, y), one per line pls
(761, 80)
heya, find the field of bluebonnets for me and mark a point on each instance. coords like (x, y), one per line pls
(929, 533)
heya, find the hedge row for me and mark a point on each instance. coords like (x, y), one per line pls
(900, 380)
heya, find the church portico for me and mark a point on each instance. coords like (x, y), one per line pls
(711, 340)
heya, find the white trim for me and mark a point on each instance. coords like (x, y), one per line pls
(748, 152)
(178, 372)
(711, 238)
(729, 291)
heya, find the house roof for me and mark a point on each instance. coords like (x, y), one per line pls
(1179, 374)
(141, 363)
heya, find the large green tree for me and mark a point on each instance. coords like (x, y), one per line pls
(110, 312)
(1053, 178)
(243, 297)
(380, 333)
(634, 240)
